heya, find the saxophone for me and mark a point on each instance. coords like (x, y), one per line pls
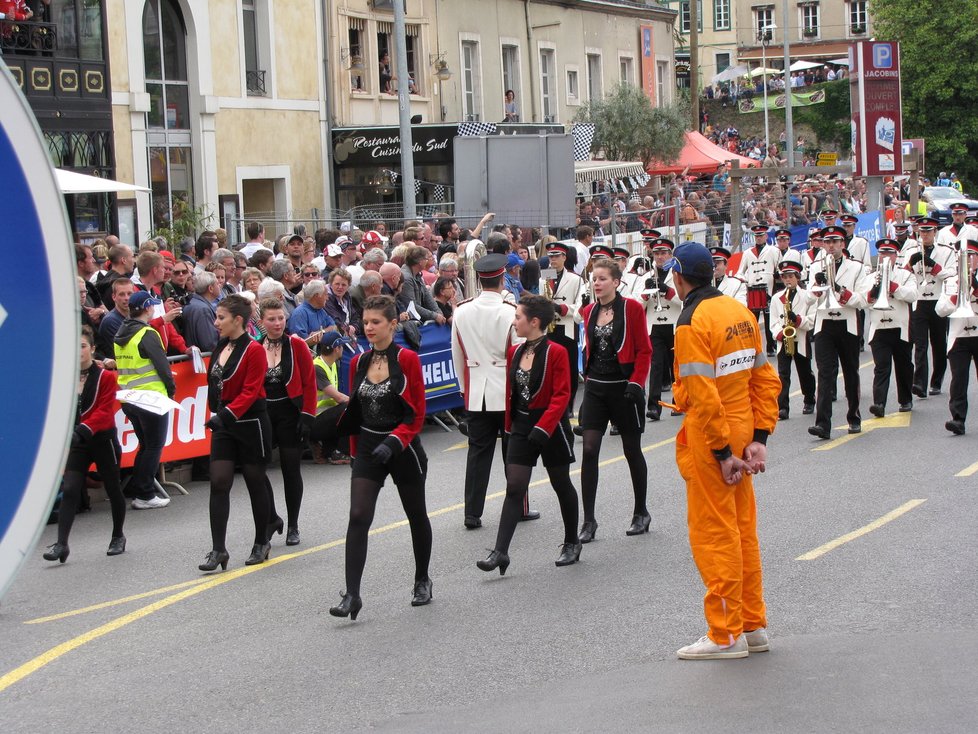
(788, 330)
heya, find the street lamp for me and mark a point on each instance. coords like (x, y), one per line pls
(764, 35)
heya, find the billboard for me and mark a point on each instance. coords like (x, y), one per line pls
(877, 112)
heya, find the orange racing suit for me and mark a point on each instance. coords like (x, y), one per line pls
(729, 393)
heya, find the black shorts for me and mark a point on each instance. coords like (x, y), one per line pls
(102, 448)
(606, 401)
(247, 441)
(408, 467)
(559, 450)
(284, 418)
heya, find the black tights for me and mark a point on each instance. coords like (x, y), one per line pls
(222, 477)
(517, 481)
(288, 457)
(632, 446)
(363, 501)
(71, 490)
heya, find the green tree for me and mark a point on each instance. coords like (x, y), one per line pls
(628, 128)
(938, 72)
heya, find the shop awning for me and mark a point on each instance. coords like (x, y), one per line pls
(594, 171)
(795, 51)
(71, 182)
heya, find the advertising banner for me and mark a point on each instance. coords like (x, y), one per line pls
(877, 112)
(648, 63)
(778, 101)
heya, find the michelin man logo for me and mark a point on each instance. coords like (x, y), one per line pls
(885, 132)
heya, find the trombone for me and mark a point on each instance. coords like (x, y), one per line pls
(964, 309)
(652, 287)
(883, 278)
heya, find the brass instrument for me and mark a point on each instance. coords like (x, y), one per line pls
(883, 274)
(652, 287)
(467, 257)
(831, 300)
(964, 309)
(788, 330)
(548, 293)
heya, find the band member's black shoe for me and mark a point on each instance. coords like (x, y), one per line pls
(955, 427)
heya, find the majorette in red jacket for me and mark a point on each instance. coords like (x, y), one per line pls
(406, 380)
(629, 335)
(549, 385)
(299, 375)
(242, 382)
(96, 411)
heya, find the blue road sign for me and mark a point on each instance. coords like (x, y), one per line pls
(39, 325)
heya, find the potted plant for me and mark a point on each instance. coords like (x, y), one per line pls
(810, 32)
(857, 29)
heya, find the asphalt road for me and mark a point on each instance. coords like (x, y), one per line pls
(874, 634)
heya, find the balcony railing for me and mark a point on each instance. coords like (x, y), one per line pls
(255, 81)
(27, 36)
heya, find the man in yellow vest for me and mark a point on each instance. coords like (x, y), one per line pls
(142, 365)
(329, 400)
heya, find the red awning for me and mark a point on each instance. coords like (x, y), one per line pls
(701, 156)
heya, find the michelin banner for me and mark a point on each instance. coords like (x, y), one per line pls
(778, 101)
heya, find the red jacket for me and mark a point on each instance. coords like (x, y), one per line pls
(243, 381)
(634, 346)
(406, 380)
(550, 385)
(299, 375)
(173, 343)
(96, 411)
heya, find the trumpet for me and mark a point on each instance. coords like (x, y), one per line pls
(652, 287)
(831, 300)
(788, 330)
(883, 276)
(964, 309)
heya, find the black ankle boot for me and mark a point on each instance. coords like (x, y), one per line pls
(349, 606)
(588, 530)
(259, 554)
(640, 524)
(422, 592)
(569, 553)
(57, 552)
(215, 559)
(495, 559)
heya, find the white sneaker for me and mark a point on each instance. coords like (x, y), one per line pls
(151, 504)
(757, 640)
(706, 649)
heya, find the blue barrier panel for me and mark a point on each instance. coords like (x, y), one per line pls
(442, 391)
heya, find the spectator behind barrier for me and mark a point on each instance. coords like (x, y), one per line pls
(199, 313)
(309, 320)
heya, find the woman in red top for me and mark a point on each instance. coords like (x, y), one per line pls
(241, 432)
(94, 440)
(290, 392)
(538, 391)
(384, 417)
(616, 365)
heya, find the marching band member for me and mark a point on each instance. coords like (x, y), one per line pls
(889, 331)
(662, 307)
(616, 365)
(757, 267)
(950, 234)
(633, 276)
(794, 349)
(482, 333)
(829, 217)
(963, 339)
(567, 293)
(385, 416)
(836, 333)
(857, 247)
(621, 255)
(901, 234)
(536, 395)
(931, 264)
(813, 258)
(782, 240)
(728, 285)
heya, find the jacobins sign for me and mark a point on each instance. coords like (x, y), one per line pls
(877, 112)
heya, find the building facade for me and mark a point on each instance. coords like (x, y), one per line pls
(218, 106)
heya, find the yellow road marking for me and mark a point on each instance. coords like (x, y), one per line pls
(115, 602)
(893, 420)
(968, 471)
(197, 586)
(456, 447)
(875, 525)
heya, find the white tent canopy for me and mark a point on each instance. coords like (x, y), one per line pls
(838, 62)
(71, 182)
(803, 65)
(760, 70)
(730, 73)
(592, 171)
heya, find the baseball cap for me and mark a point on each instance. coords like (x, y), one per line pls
(334, 250)
(143, 299)
(692, 259)
(515, 261)
(373, 237)
(333, 339)
(345, 227)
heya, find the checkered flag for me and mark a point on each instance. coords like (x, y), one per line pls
(467, 129)
(583, 133)
(394, 176)
(634, 183)
(439, 194)
(418, 183)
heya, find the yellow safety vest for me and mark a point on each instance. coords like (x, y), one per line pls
(323, 402)
(135, 371)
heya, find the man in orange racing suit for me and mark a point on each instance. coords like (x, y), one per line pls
(729, 393)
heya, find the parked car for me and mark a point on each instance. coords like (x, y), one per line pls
(940, 198)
